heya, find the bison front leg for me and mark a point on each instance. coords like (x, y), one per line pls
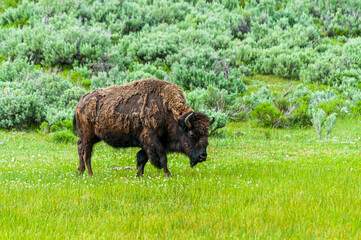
(158, 158)
(142, 159)
(155, 151)
(162, 154)
(165, 167)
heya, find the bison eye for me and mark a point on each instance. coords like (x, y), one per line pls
(191, 135)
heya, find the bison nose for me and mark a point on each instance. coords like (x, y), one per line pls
(202, 156)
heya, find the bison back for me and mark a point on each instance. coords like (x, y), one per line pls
(119, 114)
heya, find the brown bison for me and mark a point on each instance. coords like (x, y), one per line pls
(150, 114)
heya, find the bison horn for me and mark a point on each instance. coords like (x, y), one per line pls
(212, 121)
(186, 121)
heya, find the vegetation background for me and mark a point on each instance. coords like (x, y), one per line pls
(281, 77)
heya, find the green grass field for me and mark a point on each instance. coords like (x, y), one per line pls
(256, 183)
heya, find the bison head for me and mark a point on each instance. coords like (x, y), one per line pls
(195, 136)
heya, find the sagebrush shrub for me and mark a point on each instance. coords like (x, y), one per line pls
(17, 70)
(18, 16)
(220, 118)
(214, 102)
(330, 123)
(201, 69)
(21, 111)
(318, 118)
(206, 47)
(211, 98)
(30, 96)
(257, 98)
(320, 122)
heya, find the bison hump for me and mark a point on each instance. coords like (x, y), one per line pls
(174, 101)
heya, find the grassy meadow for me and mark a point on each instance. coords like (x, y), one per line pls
(256, 183)
(285, 63)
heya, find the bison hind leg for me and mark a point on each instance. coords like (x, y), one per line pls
(142, 159)
(81, 167)
(85, 150)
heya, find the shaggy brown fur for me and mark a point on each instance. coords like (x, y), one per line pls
(149, 114)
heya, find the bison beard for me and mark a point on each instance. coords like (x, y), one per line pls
(150, 114)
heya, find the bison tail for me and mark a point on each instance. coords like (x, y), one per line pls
(75, 129)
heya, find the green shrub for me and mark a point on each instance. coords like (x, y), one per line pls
(30, 97)
(240, 27)
(301, 114)
(63, 40)
(330, 101)
(60, 132)
(197, 69)
(287, 65)
(44, 128)
(352, 49)
(240, 111)
(21, 111)
(220, 121)
(117, 77)
(54, 128)
(331, 107)
(330, 124)
(61, 125)
(155, 44)
(17, 16)
(230, 4)
(211, 98)
(319, 122)
(269, 116)
(63, 136)
(74, 44)
(8, 4)
(55, 114)
(255, 99)
(214, 102)
(290, 110)
(318, 118)
(17, 70)
(356, 109)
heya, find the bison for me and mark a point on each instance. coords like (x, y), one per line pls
(150, 114)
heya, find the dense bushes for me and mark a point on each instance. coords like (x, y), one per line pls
(214, 102)
(209, 48)
(30, 96)
(288, 42)
(61, 40)
(199, 69)
(296, 107)
(20, 111)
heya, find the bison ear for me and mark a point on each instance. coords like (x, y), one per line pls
(181, 123)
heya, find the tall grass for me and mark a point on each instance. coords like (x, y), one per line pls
(257, 183)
